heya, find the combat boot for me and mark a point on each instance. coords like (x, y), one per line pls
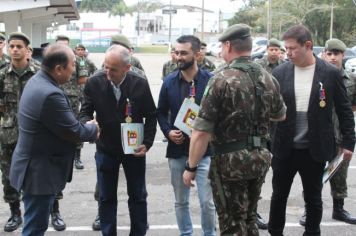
(340, 214)
(96, 223)
(77, 162)
(261, 223)
(15, 219)
(56, 218)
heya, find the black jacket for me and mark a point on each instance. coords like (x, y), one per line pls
(320, 126)
(99, 97)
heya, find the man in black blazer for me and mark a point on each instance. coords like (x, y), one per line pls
(118, 95)
(42, 162)
(311, 89)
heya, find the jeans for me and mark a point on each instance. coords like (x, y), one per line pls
(108, 176)
(181, 193)
(37, 210)
(311, 173)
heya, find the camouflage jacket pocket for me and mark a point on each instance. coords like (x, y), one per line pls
(244, 164)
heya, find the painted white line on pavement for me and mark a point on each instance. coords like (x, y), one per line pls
(163, 227)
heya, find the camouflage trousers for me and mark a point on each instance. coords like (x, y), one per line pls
(338, 183)
(10, 194)
(75, 104)
(236, 203)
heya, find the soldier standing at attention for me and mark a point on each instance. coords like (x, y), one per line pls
(170, 65)
(272, 60)
(4, 59)
(334, 53)
(203, 62)
(13, 78)
(235, 112)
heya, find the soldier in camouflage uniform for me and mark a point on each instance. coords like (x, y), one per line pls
(334, 53)
(4, 59)
(122, 40)
(203, 61)
(29, 57)
(13, 78)
(272, 60)
(235, 112)
(170, 65)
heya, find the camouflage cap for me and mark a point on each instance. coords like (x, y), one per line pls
(2, 36)
(335, 45)
(237, 31)
(121, 40)
(274, 43)
(79, 45)
(62, 37)
(19, 35)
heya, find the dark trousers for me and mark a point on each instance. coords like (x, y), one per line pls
(37, 209)
(311, 173)
(108, 176)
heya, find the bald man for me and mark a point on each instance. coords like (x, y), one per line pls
(109, 93)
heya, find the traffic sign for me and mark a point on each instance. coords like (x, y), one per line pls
(169, 11)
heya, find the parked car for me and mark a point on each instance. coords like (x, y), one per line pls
(210, 47)
(161, 42)
(258, 51)
(349, 54)
(260, 41)
(317, 50)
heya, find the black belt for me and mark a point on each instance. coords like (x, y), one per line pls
(251, 144)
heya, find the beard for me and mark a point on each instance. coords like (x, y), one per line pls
(185, 65)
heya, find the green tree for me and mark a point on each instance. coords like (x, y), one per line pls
(98, 5)
(119, 9)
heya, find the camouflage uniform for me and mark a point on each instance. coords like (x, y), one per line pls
(239, 125)
(4, 61)
(206, 64)
(168, 68)
(338, 182)
(264, 62)
(85, 68)
(11, 87)
(136, 63)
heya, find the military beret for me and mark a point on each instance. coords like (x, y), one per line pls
(19, 35)
(30, 47)
(79, 45)
(203, 43)
(237, 31)
(283, 48)
(121, 40)
(274, 42)
(2, 36)
(335, 45)
(62, 37)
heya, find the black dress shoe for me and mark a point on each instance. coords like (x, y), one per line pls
(96, 224)
(261, 223)
(302, 218)
(57, 221)
(13, 222)
(78, 164)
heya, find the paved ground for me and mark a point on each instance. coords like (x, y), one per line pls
(78, 207)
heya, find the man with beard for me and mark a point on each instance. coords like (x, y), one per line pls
(187, 82)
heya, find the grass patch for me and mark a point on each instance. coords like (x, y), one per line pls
(151, 49)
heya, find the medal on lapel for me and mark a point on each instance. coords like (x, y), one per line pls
(322, 102)
(128, 111)
(192, 92)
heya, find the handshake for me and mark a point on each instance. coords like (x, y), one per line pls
(94, 122)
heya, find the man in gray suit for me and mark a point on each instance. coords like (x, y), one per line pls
(42, 162)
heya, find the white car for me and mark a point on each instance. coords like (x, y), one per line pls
(161, 42)
(216, 50)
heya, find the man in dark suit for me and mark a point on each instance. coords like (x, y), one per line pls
(42, 162)
(311, 89)
(119, 95)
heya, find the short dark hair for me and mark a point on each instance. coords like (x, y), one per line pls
(242, 45)
(54, 55)
(25, 41)
(194, 41)
(299, 33)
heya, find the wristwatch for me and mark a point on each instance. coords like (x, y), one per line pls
(190, 169)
